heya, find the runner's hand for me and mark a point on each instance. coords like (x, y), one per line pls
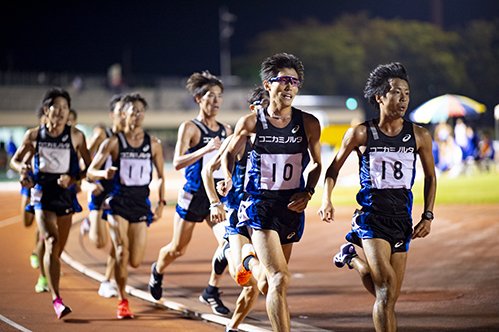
(26, 181)
(299, 202)
(326, 212)
(158, 212)
(96, 188)
(224, 186)
(213, 144)
(25, 169)
(65, 181)
(422, 229)
(110, 172)
(217, 214)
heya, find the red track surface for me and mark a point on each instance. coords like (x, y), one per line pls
(451, 283)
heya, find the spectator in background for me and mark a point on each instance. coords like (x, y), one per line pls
(11, 147)
(3, 157)
(486, 151)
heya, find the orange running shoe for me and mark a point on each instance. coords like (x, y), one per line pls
(243, 275)
(123, 310)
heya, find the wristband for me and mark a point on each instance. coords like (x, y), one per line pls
(215, 205)
(310, 191)
(162, 202)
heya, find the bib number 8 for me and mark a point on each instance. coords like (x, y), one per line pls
(397, 170)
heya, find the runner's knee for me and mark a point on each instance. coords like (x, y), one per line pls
(280, 280)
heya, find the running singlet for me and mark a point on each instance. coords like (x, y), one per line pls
(236, 194)
(193, 171)
(278, 158)
(387, 171)
(134, 173)
(54, 156)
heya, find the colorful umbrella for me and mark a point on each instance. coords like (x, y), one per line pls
(441, 108)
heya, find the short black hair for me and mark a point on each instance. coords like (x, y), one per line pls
(113, 101)
(378, 82)
(273, 64)
(256, 94)
(40, 111)
(133, 97)
(200, 83)
(51, 95)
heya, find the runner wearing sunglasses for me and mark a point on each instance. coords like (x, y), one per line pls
(278, 193)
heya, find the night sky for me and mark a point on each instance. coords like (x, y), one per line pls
(175, 38)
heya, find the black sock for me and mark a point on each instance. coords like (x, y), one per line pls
(246, 262)
(211, 289)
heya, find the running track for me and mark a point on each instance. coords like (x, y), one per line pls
(451, 283)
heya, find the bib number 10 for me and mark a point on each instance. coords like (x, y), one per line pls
(287, 172)
(280, 171)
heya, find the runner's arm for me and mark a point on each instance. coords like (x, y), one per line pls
(159, 163)
(354, 138)
(186, 133)
(424, 142)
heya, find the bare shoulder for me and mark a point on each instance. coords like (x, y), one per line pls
(32, 134)
(155, 141)
(357, 135)
(76, 132)
(227, 128)
(188, 127)
(423, 136)
(420, 131)
(310, 119)
(249, 120)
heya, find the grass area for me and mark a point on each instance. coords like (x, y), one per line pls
(478, 188)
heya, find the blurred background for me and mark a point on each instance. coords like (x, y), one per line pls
(95, 49)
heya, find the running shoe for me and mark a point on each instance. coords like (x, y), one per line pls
(123, 310)
(85, 227)
(227, 329)
(220, 261)
(243, 275)
(60, 309)
(42, 285)
(347, 252)
(33, 260)
(107, 290)
(155, 283)
(213, 300)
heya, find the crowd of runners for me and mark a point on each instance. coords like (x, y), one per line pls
(248, 183)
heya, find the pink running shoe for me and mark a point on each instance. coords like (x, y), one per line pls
(60, 309)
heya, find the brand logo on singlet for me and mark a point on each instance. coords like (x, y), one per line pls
(280, 139)
(64, 138)
(135, 155)
(295, 129)
(206, 140)
(146, 148)
(406, 138)
(291, 235)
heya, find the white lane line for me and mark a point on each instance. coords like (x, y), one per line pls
(10, 221)
(13, 324)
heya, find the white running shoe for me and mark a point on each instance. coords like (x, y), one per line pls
(107, 290)
(85, 227)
